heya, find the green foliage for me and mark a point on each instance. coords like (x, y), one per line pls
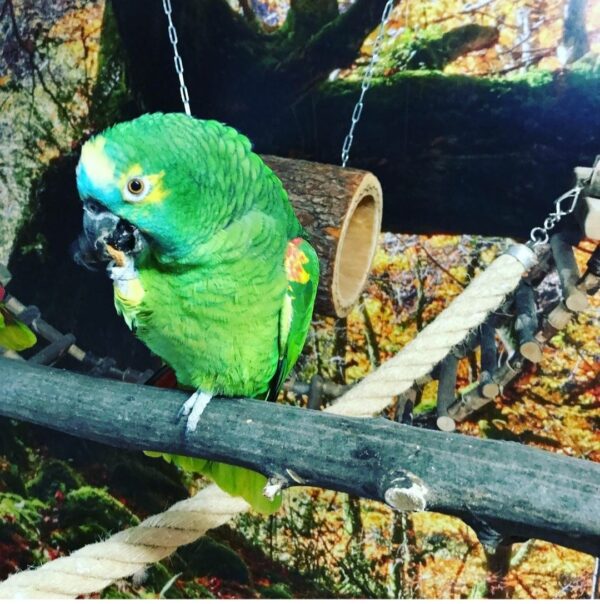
(147, 485)
(114, 593)
(11, 479)
(207, 557)
(277, 591)
(53, 476)
(21, 516)
(11, 444)
(20, 527)
(431, 48)
(478, 591)
(89, 514)
(14, 335)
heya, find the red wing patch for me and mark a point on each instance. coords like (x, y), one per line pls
(295, 259)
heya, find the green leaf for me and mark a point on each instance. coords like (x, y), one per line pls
(15, 335)
(17, 338)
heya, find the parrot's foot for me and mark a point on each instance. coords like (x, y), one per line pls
(193, 409)
(273, 487)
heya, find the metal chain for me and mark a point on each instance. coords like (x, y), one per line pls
(366, 82)
(185, 97)
(540, 235)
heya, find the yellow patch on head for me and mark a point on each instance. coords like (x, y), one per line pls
(156, 192)
(97, 165)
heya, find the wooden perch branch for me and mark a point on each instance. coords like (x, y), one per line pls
(519, 491)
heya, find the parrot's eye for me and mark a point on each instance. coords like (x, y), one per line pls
(136, 189)
(135, 186)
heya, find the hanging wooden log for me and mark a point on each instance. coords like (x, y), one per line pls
(593, 187)
(526, 323)
(590, 282)
(568, 273)
(341, 210)
(446, 393)
(588, 213)
(588, 208)
(315, 392)
(488, 389)
(405, 406)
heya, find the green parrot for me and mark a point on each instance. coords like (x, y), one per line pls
(211, 268)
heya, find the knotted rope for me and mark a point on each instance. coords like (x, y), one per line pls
(97, 566)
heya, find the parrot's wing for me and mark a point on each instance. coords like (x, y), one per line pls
(302, 269)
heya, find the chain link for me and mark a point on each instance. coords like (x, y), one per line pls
(540, 235)
(185, 97)
(366, 82)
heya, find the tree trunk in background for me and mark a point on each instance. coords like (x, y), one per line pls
(575, 40)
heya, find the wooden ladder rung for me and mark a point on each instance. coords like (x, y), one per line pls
(53, 351)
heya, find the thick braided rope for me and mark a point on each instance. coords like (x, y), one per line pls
(97, 566)
(484, 294)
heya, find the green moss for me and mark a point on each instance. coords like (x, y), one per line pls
(148, 485)
(195, 591)
(277, 591)
(53, 476)
(425, 406)
(11, 480)
(206, 557)
(156, 578)
(432, 48)
(21, 516)
(89, 514)
(114, 593)
(11, 443)
(21, 523)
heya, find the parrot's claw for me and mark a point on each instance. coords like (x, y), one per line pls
(193, 409)
(273, 487)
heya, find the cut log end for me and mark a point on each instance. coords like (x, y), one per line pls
(576, 301)
(532, 351)
(490, 390)
(341, 210)
(446, 423)
(411, 498)
(357, 245)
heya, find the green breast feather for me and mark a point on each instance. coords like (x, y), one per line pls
(302, 271)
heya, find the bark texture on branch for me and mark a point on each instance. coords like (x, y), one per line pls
(341, 209)
(519, 491)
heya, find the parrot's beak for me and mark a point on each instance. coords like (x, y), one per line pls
(101, 228)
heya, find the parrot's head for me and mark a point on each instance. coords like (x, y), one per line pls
(164, 182)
